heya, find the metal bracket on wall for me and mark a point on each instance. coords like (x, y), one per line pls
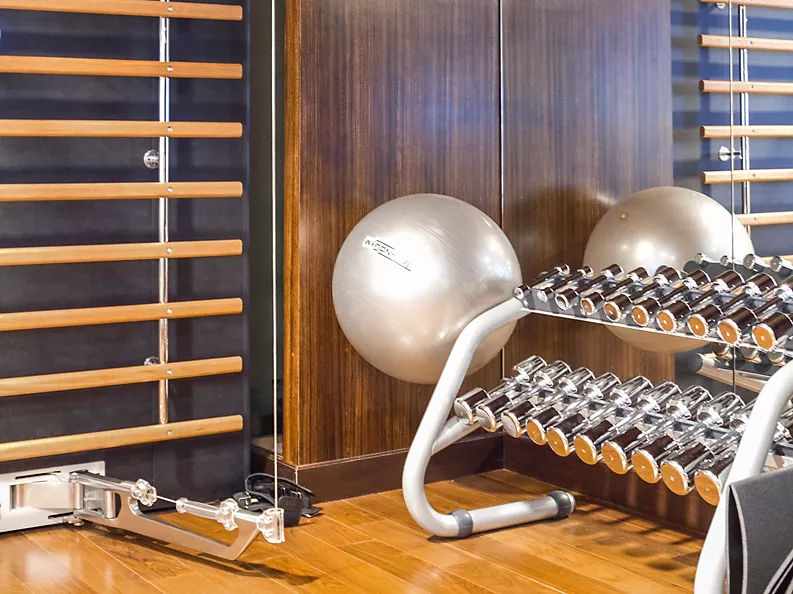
(78, 494)
(38, 498)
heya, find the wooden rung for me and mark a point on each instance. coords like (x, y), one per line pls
(752, 43)
(122, 191)
(96, 67)
(94, 316)
(72, 254)
(116, 438)
(119, 129)
(766, 218)
(103, 378)
(143, 8)
(756, 88)
(750, 175)
(762, 3)
(747, 131)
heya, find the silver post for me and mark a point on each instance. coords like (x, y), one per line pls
(165, 116)
(743, 65)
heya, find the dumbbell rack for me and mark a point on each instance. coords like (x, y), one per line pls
(436, 431)
(713, 269)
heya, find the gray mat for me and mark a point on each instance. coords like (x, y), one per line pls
(760, 534)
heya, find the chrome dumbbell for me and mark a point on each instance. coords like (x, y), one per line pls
(564, 299)
(560, 437)
(592, 301)
(545, 279)
(645, 311)
(674, 315)
(618, 306)
(617, 452)
(588, 444)
(732, 328)
(540, 390)
(647, 460)
(580, 276)
(465, 406)
(701, 322)
(555, 386)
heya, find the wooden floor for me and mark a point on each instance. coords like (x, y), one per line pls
(370, 544)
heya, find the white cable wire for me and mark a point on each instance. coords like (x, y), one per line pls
(732, 155)
(274, 248)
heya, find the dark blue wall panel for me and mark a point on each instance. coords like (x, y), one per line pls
(203, 468)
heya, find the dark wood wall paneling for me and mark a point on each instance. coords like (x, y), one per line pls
(384, 98)
(203, 468)
(587, 120)
(390, 98)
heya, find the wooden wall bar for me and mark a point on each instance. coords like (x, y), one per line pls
(385, 98)
(101, 67)
(119, 129)
(756, 88)
(80, 380)
(587, 120)
(752, 43)
(92, 316)
(117, 438)
(119, 252)
(172, 10)
(118, 191)
(747, 175)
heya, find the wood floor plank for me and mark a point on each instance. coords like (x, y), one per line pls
(532, 567)
(302, 577)
(221, 579)
(412, 569)
(500, 579)
(334, 533)
(407, 540)
(386, 506)
(457, 562)
(343, 566)
(40, 571)
(137, 553)
(89, 563)
(347, 513)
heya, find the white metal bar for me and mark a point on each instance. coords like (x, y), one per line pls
(749, 460)
(163, 218)
(435, 433)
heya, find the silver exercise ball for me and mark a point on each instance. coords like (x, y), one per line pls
(412, 274)
(664, 226)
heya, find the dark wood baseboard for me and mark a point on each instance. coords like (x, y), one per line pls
(657, 502)
(351, 477)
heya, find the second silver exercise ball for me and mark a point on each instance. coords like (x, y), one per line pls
(412, 274)
(664, 226)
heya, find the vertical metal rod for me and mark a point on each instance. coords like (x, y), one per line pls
(732, 155)
(165, 116)
(501, 107)
(274, 212)
(743, 66)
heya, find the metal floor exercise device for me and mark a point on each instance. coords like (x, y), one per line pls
(689, 439)
(65, 495)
